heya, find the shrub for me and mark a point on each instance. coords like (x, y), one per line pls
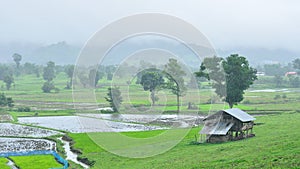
(23, 109)
(277, 97)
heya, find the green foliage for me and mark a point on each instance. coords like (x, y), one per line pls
(212, 69)
(6, 101)
(275, 69)
(152, 79)
(49, 75)
(294, 81)
(23, 109)
(230, 77)
(49, 71)
(48, 86)
(296, 64)
(114, 98)
(110, 71)
(94, 77)
(8, 80)
(239, 77)
(175, 81)
(277, 96)
(69, 70)
(278, 80)
(17, 58)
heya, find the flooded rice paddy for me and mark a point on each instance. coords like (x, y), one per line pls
(15, 130)
(25, 144)
(78, 124)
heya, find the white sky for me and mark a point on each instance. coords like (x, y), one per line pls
(226, 23)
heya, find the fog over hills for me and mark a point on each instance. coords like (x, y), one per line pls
(64, 53)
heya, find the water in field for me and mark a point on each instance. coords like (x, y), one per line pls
(15, 130)
(70, 155)
(78, 124)
(24, 145)
(271, 90)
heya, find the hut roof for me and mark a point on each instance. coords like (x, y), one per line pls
(239, 114)
(219, 128)
(214, 125)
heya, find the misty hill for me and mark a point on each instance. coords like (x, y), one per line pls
(64, 53)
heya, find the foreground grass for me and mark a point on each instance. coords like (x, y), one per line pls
(3, 162)
(276, 145)
(36, 162)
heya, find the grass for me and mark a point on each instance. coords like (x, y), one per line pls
(3, 162)
(36, 162)
(27, 92)
(276, 145)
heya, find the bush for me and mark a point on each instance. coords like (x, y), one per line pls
(47, 87)
(23, 109)
(277, 97)
(284, 96)
(247, 102)
(107, 112)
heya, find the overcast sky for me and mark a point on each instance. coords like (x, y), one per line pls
(226, 23)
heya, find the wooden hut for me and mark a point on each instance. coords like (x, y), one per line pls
(227, 125)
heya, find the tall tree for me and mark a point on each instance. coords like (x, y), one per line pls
(296, 64)
(152, 79)
(114, 98)
(94, 77)
(8, 80)
(175, 81)
(212, 69)
(49, 71)
(230, 77)
(69, 70)
(49, 75)
(239, 77)
(17, 58)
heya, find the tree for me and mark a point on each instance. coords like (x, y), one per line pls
(294, 81)
(84, 80)
(49, 71)
(212, 69)
(296, 64)
(48, 86)
(49, 75)
(278, 80)
(109, 70)
(239, 77)
(17, 58)
(6, 101)
(8, 80)
(175, 81)
(152, 79)
(69, 70)
(114, 98)
(94, 77)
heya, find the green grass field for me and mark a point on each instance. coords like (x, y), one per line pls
(36, 162)
(27, 92)
(276, 145)
(3, 162)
